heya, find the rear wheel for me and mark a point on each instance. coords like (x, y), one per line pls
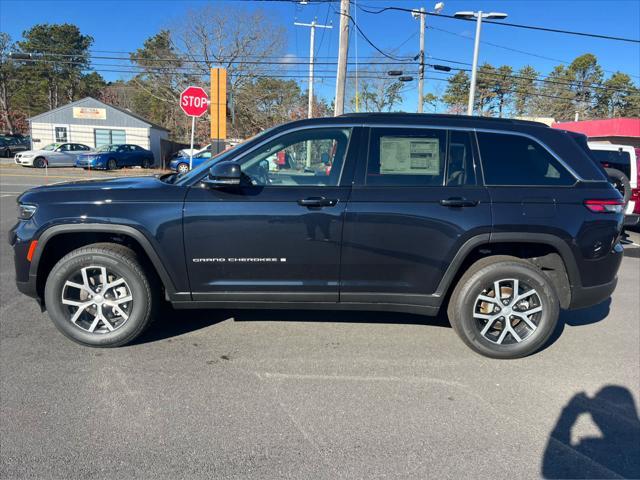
(146, 163)
(100, 296)
(39, 162)
(183, 168)
(504, 307)
(112, 164)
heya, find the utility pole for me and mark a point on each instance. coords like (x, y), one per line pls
(341, 78)
(313, 26)
(421, 69)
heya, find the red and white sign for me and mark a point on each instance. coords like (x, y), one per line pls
(194, 101)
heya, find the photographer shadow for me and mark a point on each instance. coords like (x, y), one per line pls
(615, 453)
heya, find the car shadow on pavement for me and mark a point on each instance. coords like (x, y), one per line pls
(612, 454)
(172, 323)
(578, 318)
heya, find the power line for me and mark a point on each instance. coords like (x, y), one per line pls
(374, 46)
(507, 24)
(138, 69)
(566, 62)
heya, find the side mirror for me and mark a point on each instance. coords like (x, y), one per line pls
(224, 174)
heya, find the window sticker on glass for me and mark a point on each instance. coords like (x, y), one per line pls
(409, 155)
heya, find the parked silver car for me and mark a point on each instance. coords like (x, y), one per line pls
(52, 155)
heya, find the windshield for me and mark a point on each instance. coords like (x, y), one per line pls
(51, 146)
(107, 148)
(197, 172)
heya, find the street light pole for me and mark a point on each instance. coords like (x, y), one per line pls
(474, 68)
(476, 47)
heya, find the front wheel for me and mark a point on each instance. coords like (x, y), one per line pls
(183, 168)
(99, 296)
(39, 162)
(504, 307)
(112, 164)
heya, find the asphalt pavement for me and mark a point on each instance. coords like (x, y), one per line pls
(313, 395)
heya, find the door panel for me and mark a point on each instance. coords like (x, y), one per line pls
(400, 241)
(261, 240)
(271, 241)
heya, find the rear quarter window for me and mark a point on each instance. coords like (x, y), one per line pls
(518, 160)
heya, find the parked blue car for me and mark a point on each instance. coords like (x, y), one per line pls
(181, 164)
(111, 157)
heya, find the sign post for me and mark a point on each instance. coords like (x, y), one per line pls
(194, 101)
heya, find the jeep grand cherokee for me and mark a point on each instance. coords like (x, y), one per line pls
(500, 222)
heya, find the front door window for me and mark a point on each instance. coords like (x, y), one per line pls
(302, 158)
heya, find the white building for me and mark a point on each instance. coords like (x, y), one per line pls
(95, 123)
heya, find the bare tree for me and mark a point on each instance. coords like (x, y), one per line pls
(239, 40)
(376, 90)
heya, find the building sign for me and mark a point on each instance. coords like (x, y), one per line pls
(89, 112)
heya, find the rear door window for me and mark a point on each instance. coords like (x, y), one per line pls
(406, 157)
(517, 160)
(460, 165)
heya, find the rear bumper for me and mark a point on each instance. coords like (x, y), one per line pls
(582, 297)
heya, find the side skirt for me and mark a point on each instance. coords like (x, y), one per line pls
(374, 307)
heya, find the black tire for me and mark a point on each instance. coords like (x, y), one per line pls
(39, 162)
(6, 153)
(463, 307)
(112, 164)
(122, 262)
(621, 183)
(146, 163)
(182, 167)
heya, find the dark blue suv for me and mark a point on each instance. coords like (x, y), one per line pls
(501, 222)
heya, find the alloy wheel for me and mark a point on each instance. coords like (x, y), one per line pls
(508, 311)
(97, 300)
(183, 168)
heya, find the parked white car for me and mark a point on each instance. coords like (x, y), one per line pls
(620, 158)
(185, 152)
(52, 155)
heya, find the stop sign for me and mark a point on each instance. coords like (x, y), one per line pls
(194, 101)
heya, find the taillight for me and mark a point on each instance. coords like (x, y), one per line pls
(604, 206)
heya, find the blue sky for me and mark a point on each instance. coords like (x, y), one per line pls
(124, 25)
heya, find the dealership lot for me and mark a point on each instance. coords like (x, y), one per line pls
(302, 394)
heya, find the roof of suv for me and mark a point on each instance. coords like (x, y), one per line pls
(419, 117)
(426, 119)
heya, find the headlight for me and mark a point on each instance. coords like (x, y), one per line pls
(25, 212)
(26, 155)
